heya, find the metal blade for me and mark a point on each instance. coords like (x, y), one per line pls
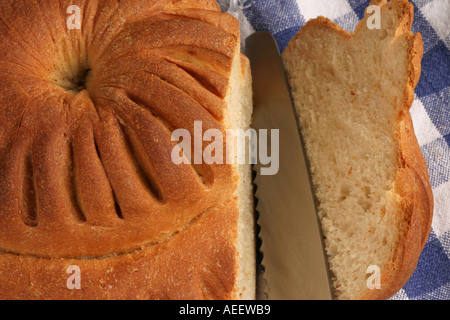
(292, 244)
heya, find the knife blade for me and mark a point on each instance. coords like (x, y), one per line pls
(294, 259)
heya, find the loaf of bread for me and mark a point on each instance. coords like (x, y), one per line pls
(87, 182)
(353, 93)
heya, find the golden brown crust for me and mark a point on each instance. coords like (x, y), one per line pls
(194, 264)
(87, 173)
(412, 181)
(413, 185)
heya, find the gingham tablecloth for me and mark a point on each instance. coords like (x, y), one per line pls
(430, 111)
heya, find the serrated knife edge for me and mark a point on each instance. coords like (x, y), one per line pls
(291, 241)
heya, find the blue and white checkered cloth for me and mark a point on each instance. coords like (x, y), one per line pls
(430, 111)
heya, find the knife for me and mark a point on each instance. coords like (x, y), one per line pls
(294, 260)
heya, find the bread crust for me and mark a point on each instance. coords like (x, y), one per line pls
(411, 181)
(86, 175)
(198, 263)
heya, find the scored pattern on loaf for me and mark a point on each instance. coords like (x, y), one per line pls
(92, 166)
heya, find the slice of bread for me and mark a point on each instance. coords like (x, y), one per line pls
(353, 93)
